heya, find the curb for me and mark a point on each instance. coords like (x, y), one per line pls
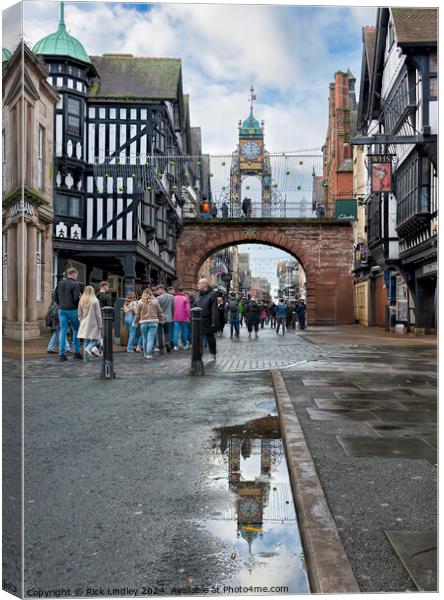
(328, 568)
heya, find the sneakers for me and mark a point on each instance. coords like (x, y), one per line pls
(176, 349)
(188, 346)
(213, 357)
(78, 356)
(148, 356)
(62, 357)
(97, 352)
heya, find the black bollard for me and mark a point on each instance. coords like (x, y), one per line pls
(107, 360)
(197, 367)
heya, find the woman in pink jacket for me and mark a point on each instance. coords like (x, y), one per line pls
(182, 316)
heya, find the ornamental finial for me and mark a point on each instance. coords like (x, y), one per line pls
(62, 16)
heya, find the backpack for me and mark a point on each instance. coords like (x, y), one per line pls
(52, 315)
(233, 307)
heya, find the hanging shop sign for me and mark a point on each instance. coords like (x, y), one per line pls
(346, 210)
(381, 173)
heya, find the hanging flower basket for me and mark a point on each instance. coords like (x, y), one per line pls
(287, 173)
(299, 187)
(223, 164)
(301, 162)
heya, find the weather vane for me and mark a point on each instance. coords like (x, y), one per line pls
(252, 97)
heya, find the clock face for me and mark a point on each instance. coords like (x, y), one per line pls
(250, 508)
(251, 150)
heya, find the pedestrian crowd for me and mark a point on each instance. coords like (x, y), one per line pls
(159, 318)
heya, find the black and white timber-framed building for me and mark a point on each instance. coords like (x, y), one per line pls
(116, 109)
(398, 116)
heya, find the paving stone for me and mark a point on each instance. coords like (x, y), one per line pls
(359, 404)
(389, 394)
(406, 417)
(417, 551)
(387, 447)
(403, 429)
(317, 414)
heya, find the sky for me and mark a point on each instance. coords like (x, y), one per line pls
(289, 53)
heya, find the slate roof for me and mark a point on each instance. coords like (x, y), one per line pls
(415, 26)
(128, 77)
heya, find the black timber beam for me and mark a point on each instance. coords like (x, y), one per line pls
(381, 138)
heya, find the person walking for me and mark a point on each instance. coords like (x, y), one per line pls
(52, 321)
(166, 301)
(149, 316)
(66, 296)
(281, 316)
(205, 299)
(182, 315)
(246, 207)
(129, 309)
(241, 313)
(263, 316)
(221, 309)
(253, 316)
(301, 311)
(90, 318)
(233, 314)
(272, 311)
(224, 210)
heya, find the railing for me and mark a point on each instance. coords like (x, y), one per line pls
(259, 210)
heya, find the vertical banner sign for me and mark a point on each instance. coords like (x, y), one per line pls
(381, 173)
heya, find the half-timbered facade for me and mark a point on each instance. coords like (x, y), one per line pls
(116, 112)
(398, 119)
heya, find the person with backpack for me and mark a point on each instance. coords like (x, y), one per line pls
(233, 314)
(253, 316)
(281, 316)
(66, 296)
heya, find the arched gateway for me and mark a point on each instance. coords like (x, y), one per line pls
(322, 248)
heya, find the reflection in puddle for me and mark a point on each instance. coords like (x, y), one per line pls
(261, 527)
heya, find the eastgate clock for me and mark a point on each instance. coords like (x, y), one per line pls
(251, 150)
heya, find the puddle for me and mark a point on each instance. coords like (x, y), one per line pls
(268, 405)
(259, 524)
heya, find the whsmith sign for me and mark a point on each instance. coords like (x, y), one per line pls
(346, 210)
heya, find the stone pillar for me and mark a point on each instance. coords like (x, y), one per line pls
(21, 265)
(31, 289)
(12, 302)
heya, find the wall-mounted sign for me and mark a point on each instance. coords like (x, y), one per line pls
(21, 207)
(346, 210)
(381, 173)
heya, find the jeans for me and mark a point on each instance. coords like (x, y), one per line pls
(182, 327)
(234, 326)
(66, 317)
(88, 345)
(54, 342)
(166, 333)
(281, 321)
(149, 331)
(129, 319)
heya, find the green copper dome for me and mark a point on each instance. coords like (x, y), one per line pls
(61, 43)
(6, 55)
(251, 126)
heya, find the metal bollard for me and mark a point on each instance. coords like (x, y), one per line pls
(107, 360)
(197, 366)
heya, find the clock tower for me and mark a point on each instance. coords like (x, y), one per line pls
(250, 159)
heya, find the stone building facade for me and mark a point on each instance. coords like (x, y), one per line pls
(27, 144)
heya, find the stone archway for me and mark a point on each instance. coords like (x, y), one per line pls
(323, 249)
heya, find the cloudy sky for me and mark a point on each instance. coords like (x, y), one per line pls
(290, 54)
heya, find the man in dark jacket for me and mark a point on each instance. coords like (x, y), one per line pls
(166, 301)
(66, 296)
(301, 311)
(206, 299)
(103, 295)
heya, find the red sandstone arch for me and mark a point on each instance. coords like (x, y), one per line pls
(323, 249)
